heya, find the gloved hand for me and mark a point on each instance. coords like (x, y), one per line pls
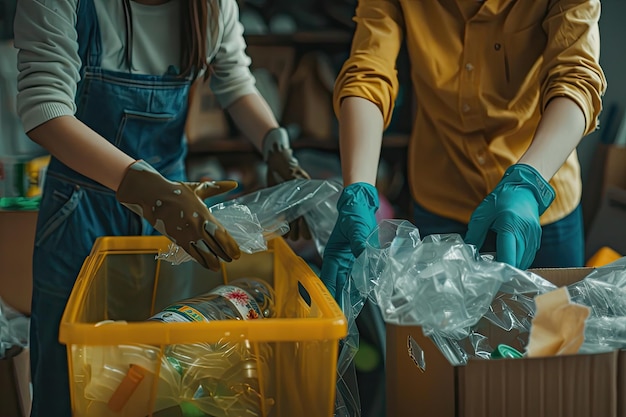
(356, 219)
(512, 210)
(283, 166)
(177, 210)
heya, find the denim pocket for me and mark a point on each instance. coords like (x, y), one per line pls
(59, 202)
(153, 137)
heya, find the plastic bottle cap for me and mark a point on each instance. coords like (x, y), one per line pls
(504, 352)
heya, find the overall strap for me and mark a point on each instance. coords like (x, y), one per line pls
(88, 30)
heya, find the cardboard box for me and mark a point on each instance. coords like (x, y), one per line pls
(572, 386)
(608, 169)
(15, 398)
(604, 201)
(206, 120)
(621, 385)
(17, 237)
(609, 225)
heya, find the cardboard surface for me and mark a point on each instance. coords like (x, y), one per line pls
(604, 197)
(621, 385)
(572, 386)
(206, 120)
(14, 383)
(609, 225)
(17, 235)
(608, 169)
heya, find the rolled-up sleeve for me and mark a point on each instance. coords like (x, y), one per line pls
(231, 78)
(571, 58)
(370, 71)
(48, 61)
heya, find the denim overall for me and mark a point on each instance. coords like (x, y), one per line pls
(144, 116)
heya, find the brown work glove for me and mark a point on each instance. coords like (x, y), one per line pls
(283, 166)
(177, 210)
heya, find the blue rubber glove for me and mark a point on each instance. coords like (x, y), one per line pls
(356, 208)
(512, 210)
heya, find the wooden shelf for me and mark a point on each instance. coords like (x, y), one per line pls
(241, 145)
(330, 37)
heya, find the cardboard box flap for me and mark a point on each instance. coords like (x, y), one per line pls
(562, 277)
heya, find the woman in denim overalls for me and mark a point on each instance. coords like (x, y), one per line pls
(117, 164)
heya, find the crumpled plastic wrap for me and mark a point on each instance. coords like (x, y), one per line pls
(255, 218)
(452, 292)
(604, 291)
(445, 286)
(13, 328)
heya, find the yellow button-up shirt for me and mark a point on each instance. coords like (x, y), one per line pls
(482, 72)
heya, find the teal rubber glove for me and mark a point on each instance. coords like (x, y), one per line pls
(512, 210)
(356, 219)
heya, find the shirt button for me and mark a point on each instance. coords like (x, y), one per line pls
(481, 159)
(466, 107)
(469, 67)
(497, 46)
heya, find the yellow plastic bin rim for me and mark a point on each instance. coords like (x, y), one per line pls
(332, 325)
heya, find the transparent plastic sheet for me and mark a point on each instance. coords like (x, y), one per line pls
(347, 401)
(13, 328)
(604, 292)
(445, 286)
(255, 218)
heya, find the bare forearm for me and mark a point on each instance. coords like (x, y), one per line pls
(253, 117)
(360, 139)
(83, 150)
(559, 132)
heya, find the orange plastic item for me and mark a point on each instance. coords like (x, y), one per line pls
(603, 256)
(129, 384)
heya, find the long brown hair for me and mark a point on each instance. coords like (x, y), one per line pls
(194, 26)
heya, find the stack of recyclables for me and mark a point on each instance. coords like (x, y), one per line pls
(121, 364)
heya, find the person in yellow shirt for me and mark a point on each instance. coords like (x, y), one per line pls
(505, 91)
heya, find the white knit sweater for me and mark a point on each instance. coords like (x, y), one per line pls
(49, 64)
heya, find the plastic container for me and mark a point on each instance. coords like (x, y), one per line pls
(21, 181)
(121, 285)
(242, 299)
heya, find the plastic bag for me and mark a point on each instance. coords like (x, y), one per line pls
(454, 293)
(445, 286)
(604, 291)
(13, 328)
(255, 218)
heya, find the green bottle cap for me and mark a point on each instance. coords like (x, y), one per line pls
(506, 352)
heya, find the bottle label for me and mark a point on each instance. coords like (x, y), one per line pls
(240, 299)
(177, 313)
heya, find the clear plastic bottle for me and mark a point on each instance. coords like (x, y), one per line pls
(241, 299)
(223, 379)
